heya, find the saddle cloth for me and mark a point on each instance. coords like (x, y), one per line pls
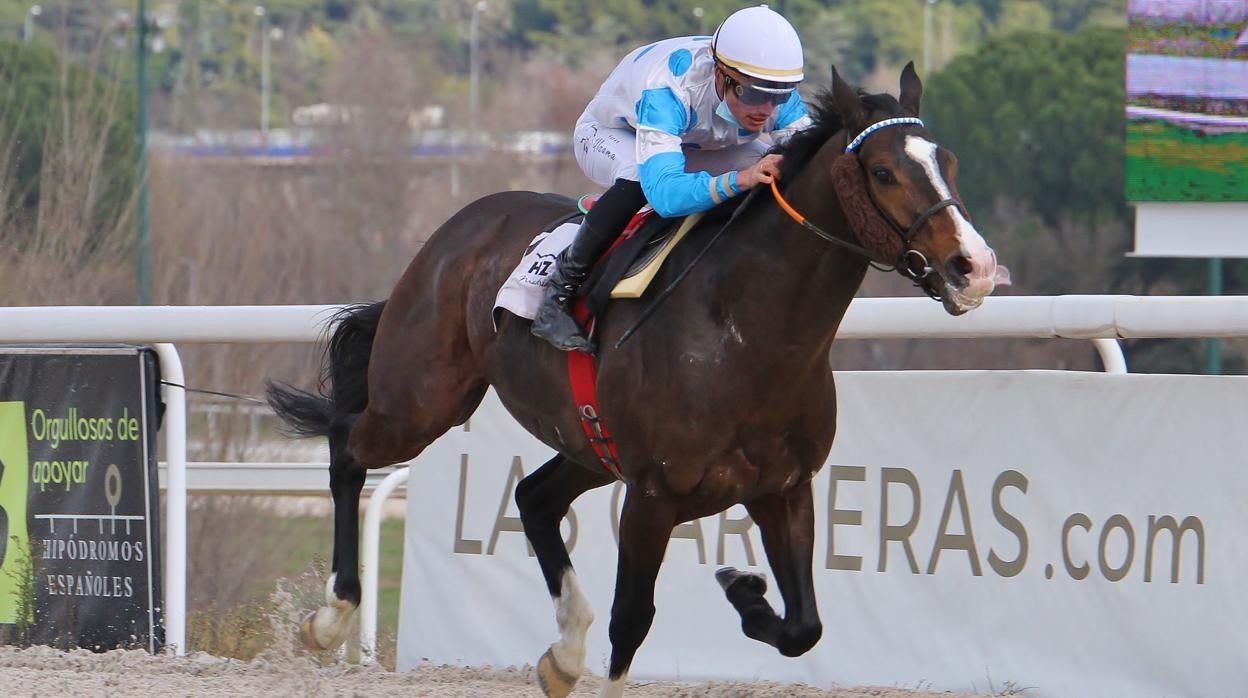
(524, 289)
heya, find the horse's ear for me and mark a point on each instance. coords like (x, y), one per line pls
(911, 89)
(848, 104)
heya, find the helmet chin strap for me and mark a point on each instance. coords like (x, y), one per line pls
(721, 81)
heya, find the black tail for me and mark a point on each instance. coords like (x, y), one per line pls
(344, 376)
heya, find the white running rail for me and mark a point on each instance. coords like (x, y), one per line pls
(1073, 317)
(370, 563)
(1106, 318)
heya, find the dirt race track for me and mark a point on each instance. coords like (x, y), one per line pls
(46, 672)
(286, 669)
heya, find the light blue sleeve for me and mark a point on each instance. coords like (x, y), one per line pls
(791, 117)
(661, 121)
(674, 192)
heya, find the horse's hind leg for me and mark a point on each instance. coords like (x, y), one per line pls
(543, 499)
(358, 443)
(787, 523)
(327, 626)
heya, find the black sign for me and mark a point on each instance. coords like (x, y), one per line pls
(79, 535)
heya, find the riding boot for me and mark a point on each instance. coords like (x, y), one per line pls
(554, 322)
(604, 222)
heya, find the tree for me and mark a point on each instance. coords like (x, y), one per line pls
(1071, 14)
(1037, 122)
(1037, 119)
(66, 135)
(579, 27)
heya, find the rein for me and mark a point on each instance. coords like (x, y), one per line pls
(805, 223)
(905, 264)
(907, 236)
(645, 315)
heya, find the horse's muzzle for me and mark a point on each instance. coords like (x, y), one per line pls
(969, 279)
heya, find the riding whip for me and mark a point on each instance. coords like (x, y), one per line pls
(645, 315)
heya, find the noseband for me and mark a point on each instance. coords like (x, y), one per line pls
(912, 263)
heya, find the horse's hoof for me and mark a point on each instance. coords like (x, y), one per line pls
(555, 682)
(750, 581)
(307, 633)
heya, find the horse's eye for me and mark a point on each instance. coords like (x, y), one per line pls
(883, 176)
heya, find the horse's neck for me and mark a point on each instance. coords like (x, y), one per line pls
(807, 281)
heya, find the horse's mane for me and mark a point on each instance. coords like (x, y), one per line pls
(804, 144)
(827, 122)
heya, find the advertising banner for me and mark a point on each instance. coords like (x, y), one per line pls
(1066, 533)
(79, 500)
(1187, 100)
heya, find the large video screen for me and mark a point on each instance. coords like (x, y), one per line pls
(1187, 100)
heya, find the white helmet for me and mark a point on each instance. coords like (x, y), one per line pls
(760, 43)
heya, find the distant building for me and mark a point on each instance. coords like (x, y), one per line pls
(323, 114)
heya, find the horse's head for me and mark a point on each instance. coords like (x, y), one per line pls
(897, 185)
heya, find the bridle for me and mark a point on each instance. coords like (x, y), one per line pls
(912, 263)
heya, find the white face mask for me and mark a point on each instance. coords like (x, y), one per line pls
(725, 113)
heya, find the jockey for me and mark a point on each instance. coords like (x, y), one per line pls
(677, 124)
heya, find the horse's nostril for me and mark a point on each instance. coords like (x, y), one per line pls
(959, 266)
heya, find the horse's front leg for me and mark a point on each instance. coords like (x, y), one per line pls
(543, 499)
(327, 626)
(646, 524)
(787, 523)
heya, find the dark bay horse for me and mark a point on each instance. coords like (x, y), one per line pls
(725, 396)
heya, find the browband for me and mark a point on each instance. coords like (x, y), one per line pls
(898, 121)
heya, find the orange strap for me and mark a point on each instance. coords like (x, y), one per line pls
(785, 204)
(801, 220)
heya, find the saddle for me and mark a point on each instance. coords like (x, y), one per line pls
(627, 267)
(623, 271)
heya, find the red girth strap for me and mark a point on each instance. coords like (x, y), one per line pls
(583, 376)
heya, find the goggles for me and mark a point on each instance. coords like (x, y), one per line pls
(752, 95)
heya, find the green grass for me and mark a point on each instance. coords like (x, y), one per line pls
(297, 550)
(1170, 163)
(1181, 39)
(309, 539)
(390, 579)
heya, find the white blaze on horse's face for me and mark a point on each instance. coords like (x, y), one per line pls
(965, 291)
